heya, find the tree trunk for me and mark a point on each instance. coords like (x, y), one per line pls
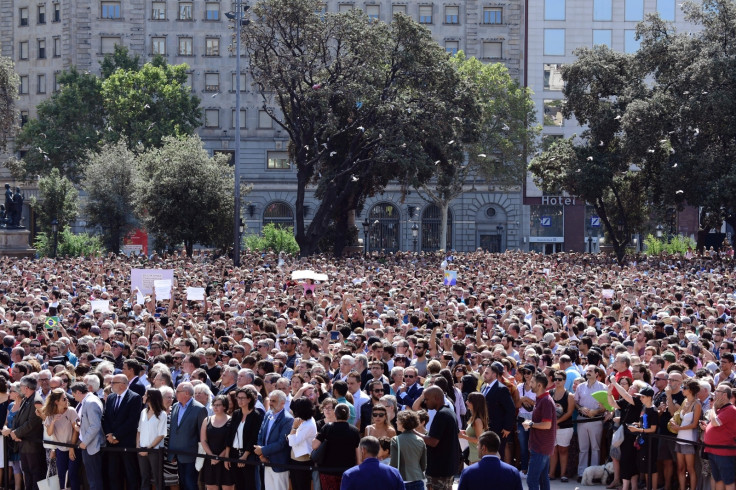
(189, 247)
(301, 239)
(444, 207)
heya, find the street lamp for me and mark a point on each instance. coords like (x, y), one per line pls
(366, 228)
(241, 227)
(238, 17)
(590, 244)
(415, 234)
(55, 231)
(659, 231)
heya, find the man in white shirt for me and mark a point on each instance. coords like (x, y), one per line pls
(589, 432)
(359, 397)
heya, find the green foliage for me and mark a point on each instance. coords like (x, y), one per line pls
(184, 195)
(119, 59)
(676, 245)
(364, 103)
(9, 82)
(68, 125)
(58, 201)
(273, 238)
(70, 244)
(108, 182)
(149, 104)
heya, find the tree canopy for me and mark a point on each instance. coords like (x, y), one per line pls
(58, 201)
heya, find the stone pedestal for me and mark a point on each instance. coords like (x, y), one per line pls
(15, 243)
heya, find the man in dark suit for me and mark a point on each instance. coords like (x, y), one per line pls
(411, 389)
(132, 370)
(187, 416)
(490, 468)
(120, 425)
(28, 432)
(370, 473)
(272, 443)
(501, 409)
(376, 391)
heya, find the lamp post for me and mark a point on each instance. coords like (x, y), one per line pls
(237, 16)
(55, 231)
(590, 244)
(499, 229)
(415, 234)
(659, 231)
(366, 228)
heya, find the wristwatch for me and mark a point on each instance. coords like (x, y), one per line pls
(531, 424)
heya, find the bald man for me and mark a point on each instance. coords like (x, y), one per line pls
(442, 441)
(120, 425)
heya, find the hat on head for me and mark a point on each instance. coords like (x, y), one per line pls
(669, 356)
(646, 391)
(529, 367)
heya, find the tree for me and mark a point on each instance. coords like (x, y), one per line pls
(361, 102)
(119, 59)
(9, 82)
(58, 201)
(149, 104)
(108, 181)
(68, 125)
(494, 138)
(183, 195)
(274, 238)
(600, 167)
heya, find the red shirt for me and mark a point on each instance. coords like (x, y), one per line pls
(543, 440)
(724, 434)
(622, 374)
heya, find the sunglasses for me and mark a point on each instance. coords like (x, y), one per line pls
(560, 379)
(378, 414)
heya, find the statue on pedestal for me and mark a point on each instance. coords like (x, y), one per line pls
(12, 211)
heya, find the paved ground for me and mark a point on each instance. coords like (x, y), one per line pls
(558, 485)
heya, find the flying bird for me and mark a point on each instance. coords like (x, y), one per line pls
(481, 155)
(354, 178)
(590, 159)
(437, 162)
(333, 153)
(674, 166)
(617, 117)
(450, 142)
(146, 106)
(680, 192)
(601, 143)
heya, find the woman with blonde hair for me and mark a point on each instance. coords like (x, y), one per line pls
(477, 424)
(60, 422)
(380, 426)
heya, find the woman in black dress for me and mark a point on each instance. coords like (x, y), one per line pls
(216, 436)
(245, 424)
(631, 408)
(342, 441)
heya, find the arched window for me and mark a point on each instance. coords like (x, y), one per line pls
(384, 230)
(431, 227)
(278, 213)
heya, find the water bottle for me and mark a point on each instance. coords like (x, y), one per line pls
(645, 425)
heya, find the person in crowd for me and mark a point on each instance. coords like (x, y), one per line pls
(380, 425)
(564, 407)
(28, 433)
(631, 408)
(215, 436)
(16, 400)
(589, 428)
(60, 422)
(187, 417)
(443, 446)
(370, 473)
(477, 424)
(720, 430)
(542, 436)
(152, 429)
(409, 452)
(490, 468)
(170, 468)
(273, 446)
(301, 437)
(91, 434)
(501, 409)
(120, 423)
(246, 422)
(342, 440)
(526, 407)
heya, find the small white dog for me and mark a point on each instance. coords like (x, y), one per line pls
(601, 473)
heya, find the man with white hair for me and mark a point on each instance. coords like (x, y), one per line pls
(346, 365)
(273, 445)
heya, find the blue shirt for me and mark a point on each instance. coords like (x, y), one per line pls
(370, 474)
(182, 409)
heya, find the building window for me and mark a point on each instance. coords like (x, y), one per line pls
(264, 120)
(278, 160)
(41, 49)
(602, 37)
(553, 77)
(185, 11)
(373, 12)
(546, 221)
(212, 11)
(108, 44)
(110, 10)
(492, 15)
(603, 10)
(425, 14)
(42, 14)
(212, 118)
(158, 11)
(158, 45)
(384, 235)
(57, 47)
(452, 15)
(280, 214)
(492, 49)
(185, 46)
(211, 82)
(631, 43)
(554, 42)
(666, 9)
(57, 12)
(432, 227)
(41, 84)
(634, 10)
(398, 9)
(553, 112)
(23, 50)
(234, 80)
(23, 118)
(23, 16)
(554, 9)
(212, 46)
(345, 7)
(23, 88)
(242, 119)
(452, 47)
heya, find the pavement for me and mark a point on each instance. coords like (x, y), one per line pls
(558, 485)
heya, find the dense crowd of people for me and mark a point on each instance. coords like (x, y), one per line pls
(391, 372)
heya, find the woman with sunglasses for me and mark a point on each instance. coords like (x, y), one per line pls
(215, 437)
(60, 422)
(565, 406)
(380, 426)
(691, 411)
(527, 399)
(246, 423)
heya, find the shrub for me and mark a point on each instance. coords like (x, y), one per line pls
(70, 244)
(273, 238)
(676, 245)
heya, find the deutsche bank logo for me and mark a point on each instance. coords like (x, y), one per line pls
(545, 221)
(595, 221)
